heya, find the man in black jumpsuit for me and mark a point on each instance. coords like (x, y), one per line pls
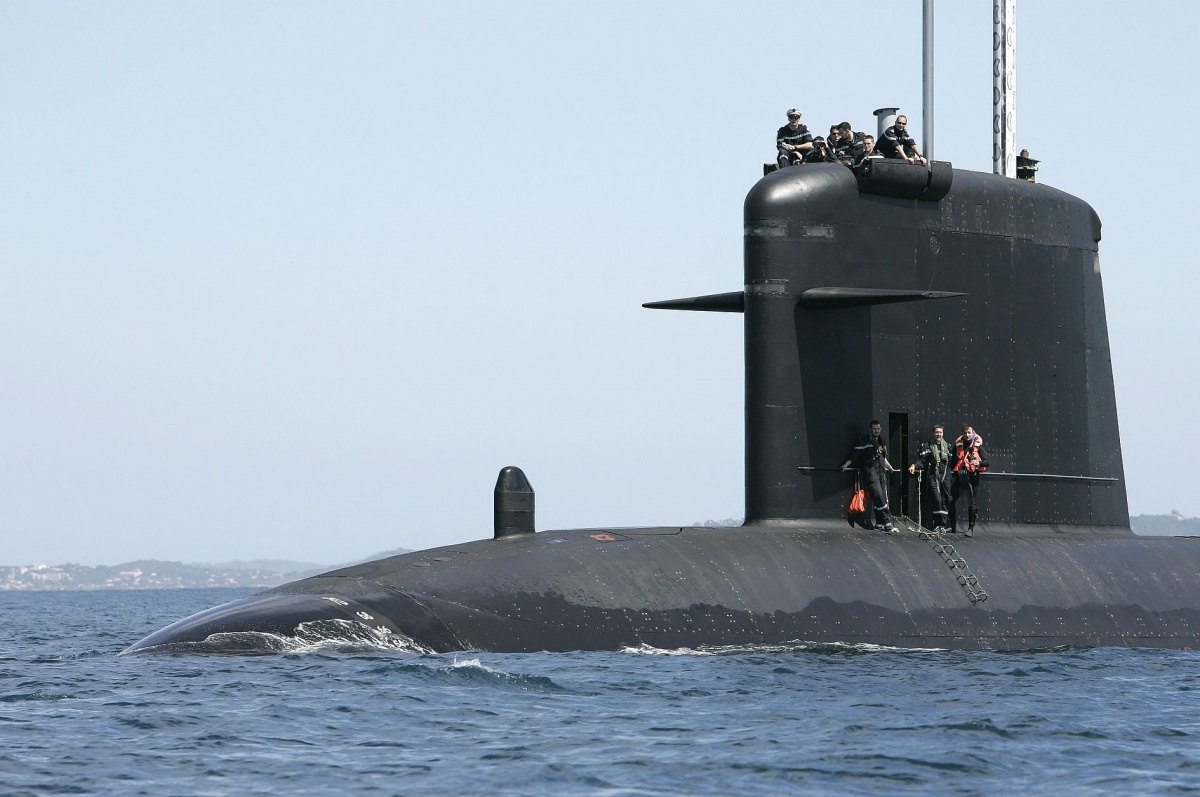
(792, 141)
(869, 455)
(934, 466)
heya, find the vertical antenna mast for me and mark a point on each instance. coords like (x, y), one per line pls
(1004, 87)
(927, 78)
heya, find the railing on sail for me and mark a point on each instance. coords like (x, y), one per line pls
(944, 548)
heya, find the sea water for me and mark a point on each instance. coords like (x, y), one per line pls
(348, 714)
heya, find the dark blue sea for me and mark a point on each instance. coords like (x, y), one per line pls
(352, 716)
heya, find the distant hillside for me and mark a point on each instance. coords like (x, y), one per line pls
(1172, 525)
(157, 574)
(373, 557)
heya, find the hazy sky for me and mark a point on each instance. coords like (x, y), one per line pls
(297, 279)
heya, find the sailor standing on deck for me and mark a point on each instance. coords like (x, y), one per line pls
(934, 466)
(869, 455)
(793, 140)
(969, 461)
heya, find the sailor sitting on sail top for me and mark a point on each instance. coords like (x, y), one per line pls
(792, 141)
(897, 143)
(869, 150)
(820, 152)
(849, 147)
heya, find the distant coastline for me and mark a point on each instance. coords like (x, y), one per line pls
(1172, 525)
(158, 574)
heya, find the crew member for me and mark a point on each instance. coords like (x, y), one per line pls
(869, 455)
(934, 466)
(819, 153)
(897, 143)
(849, 148)
(869, 150)
(969, 461)
(792, 141)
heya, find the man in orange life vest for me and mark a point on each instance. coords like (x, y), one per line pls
(969, 461)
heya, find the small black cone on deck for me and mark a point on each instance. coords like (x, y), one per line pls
(514, 503)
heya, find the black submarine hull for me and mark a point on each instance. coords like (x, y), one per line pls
(915, 296)
(690, 587)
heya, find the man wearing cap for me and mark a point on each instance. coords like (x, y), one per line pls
(792, 140)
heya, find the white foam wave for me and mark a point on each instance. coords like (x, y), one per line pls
(316, 636)
(796, 646)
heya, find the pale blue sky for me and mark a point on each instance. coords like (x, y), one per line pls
(297, 279)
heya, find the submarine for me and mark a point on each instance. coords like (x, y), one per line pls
(918, 295)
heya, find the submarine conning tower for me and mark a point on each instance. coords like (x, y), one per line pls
(919, 296)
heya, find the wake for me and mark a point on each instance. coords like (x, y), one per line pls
(316, 636)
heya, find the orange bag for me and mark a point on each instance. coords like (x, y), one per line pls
(858, 504)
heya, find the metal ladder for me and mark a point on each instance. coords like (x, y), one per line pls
(943, 548)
